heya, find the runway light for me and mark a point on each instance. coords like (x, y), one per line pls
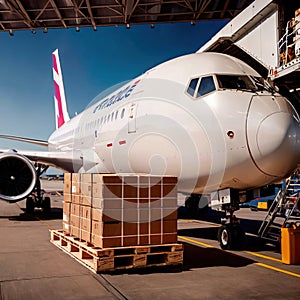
(77, 29)
(128, 26)
(33, 31)
(11, 33)
(152, 26)
(45, 30)
(193, 23)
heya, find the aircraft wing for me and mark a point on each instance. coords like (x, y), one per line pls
(25, 140)
(62, 160)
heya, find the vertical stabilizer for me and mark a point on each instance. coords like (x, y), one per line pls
(61, 112)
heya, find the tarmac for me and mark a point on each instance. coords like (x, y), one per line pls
(33, 268)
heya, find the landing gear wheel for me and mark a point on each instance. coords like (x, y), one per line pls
(225, 237)
(46, 204)
(231, 236)
(30, 205)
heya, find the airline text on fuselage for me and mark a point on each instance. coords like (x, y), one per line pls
(123, 94)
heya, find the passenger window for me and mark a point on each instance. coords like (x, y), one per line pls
(206, 86)
(192, 86)
(122, 113)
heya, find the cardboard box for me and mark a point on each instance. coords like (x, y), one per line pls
(144, 239)
(144, 215)
(169, 226)
(156, 227)
(130, 228)
(155, 191)
(66, 228)
(144, 228)
(75, 209)
(169, 191)
(76, 179)
(86, 235)
(155, 239)
(76, 198)
(75, 221)
(169, 202)
(169, 213)
(75, 231)
(107, 191)
(106, 215)
(66, 212)
(130, 240)
(106, 179)
(130, 215)
(106, 229)
(105, 242)
(169, 238)
(85, 212)
(68, 197)
(156, 214)
(86, 178)
(67, 183)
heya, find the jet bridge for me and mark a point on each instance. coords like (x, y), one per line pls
(266, 35)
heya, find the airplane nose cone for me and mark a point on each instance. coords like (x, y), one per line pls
(278, 144)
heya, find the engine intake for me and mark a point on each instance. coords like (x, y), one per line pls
(17, 177)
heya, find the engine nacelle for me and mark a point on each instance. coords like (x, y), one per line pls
(17, 177)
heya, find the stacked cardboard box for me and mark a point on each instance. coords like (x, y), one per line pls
(121, 210)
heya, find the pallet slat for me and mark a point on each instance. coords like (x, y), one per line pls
(99, 260)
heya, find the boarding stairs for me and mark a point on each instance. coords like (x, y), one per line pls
(284, 209)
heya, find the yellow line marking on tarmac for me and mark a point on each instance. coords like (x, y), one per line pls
(195, 242)
(277, 269)
(256, 254)
(263, 256)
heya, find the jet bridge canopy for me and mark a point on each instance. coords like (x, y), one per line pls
(266, 35)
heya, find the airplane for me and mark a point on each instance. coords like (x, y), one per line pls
(207, 118)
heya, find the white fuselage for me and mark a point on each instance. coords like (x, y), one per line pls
(226, 137)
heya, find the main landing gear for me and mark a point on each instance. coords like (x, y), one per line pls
(37, 197)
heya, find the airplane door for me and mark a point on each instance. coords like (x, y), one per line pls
(132, 118)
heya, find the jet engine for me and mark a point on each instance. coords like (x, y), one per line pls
(17, 177)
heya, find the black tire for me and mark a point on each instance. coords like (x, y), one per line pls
(225, 237)
(46, 204)
(30, 205)
(231, 236)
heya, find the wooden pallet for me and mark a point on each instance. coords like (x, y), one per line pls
(107, 259)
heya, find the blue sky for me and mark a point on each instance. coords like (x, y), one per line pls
(91, 62)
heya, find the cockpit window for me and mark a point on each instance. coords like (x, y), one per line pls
(192, 86)
(206, 86)
(236, 82)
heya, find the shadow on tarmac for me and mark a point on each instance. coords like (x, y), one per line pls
(55, 214)
(194, 257)
(252, 242)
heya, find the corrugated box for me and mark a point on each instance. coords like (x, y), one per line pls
(105, 242)
(130, 228)
(130, 241)
(156, 227)
(169, 226)
(67, 183)
(106, 229)
(169, 238)
(106, 215)
(155, 239)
